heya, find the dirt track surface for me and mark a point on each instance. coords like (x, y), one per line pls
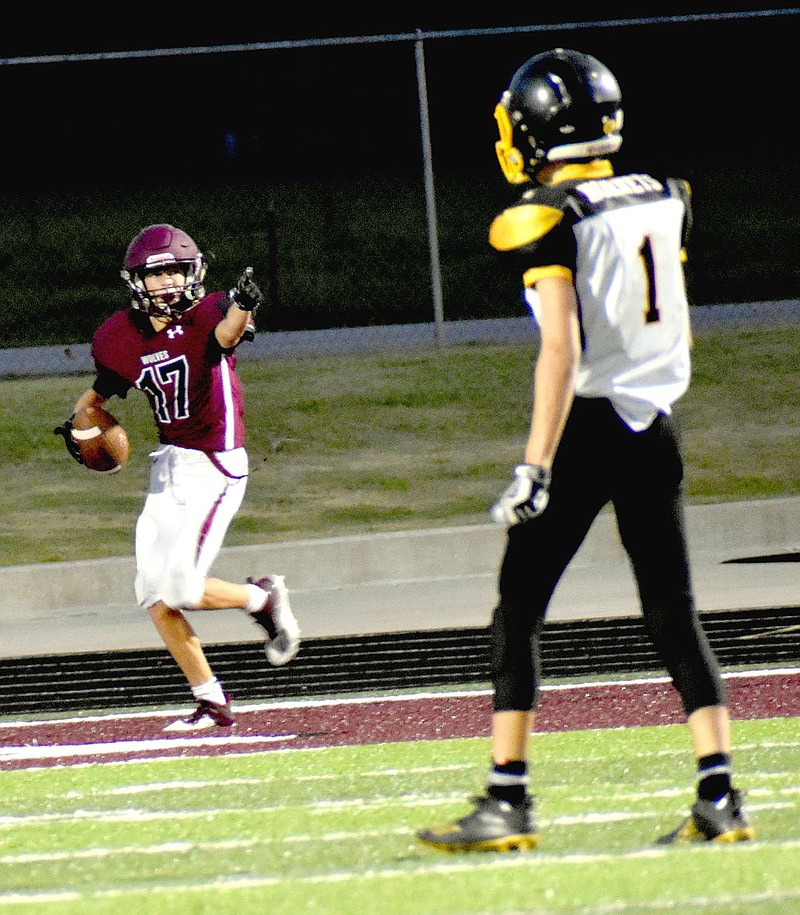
(341, 722)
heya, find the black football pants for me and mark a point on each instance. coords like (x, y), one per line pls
(601, 460)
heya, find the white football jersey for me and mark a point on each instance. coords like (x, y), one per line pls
(621, 239)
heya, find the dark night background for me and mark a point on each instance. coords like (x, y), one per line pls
(713, 101)
(698, 95)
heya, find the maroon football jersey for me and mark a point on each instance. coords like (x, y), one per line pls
(192, 385)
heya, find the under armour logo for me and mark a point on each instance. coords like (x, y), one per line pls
(174, 331)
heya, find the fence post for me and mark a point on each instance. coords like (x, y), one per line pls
(430, 194)
(273, 296)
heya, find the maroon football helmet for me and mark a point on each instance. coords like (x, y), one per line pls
(157, 247)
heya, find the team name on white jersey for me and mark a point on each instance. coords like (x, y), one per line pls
(624, 186)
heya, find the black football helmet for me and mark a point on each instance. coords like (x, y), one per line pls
(157, 247)
(559, 105)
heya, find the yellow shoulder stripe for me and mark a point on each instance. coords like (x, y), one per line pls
(532, 276)
(521, 225)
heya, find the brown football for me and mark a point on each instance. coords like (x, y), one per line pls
(103, 442)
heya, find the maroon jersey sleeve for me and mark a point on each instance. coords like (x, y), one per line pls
(113, 347)
(192, 385)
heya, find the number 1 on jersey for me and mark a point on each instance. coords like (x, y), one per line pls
(651, 313)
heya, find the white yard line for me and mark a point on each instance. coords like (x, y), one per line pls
(332, 807)
(199, 784)
(336, 837)
(446, 868)
(59, 751)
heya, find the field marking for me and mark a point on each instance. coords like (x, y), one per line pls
(200, 783)
(92, 751)
(326, 807)
(111, 748)
(157, 787)
(54, 751)
(445, 868)
(692, 902)
(138, 814)
(185, 847)
(416, 801)
(231, 883)
(338, 836)
(131, 815)
(405, 697)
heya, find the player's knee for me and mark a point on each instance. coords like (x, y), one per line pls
(159, 611)
(514, 660)
(185, 591)
(177, 589)
(699, 684)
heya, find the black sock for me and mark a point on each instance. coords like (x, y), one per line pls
(714, 776)
(509, 782)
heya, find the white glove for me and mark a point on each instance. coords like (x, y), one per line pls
(525, 498)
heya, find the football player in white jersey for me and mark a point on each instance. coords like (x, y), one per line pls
(601, 259)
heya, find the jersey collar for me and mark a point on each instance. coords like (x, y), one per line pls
(580, 171)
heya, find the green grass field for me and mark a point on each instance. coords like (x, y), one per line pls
(407, 439)
(372, 443)
(331, 831)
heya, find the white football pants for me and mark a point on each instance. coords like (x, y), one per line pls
(192, 500)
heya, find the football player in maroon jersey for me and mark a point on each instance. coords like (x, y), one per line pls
(177, 344)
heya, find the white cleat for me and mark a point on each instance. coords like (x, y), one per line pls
(276, 618)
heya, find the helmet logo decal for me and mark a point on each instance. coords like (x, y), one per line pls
(613, 124)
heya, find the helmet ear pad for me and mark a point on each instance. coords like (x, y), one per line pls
(511, 160)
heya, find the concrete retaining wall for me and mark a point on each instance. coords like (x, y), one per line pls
(720, 532)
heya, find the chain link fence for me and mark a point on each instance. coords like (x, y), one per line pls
(358, 176)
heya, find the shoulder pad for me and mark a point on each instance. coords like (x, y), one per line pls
(521, 225)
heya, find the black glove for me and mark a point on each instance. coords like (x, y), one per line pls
(69, 441)
(525, 498)
(245, 294)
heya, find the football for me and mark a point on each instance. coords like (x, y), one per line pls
(102, 441)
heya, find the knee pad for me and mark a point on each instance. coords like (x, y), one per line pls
(683, 647)
(515, 660)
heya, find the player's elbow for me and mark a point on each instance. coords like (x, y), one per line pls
(227, 342)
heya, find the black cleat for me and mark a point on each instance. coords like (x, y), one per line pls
(713, 821)
(493, 826)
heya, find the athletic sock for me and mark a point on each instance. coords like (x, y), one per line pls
(713, 776)
(509, 781)
(211, 691)
(256, 600)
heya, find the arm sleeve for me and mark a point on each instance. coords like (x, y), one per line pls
(109, 383)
